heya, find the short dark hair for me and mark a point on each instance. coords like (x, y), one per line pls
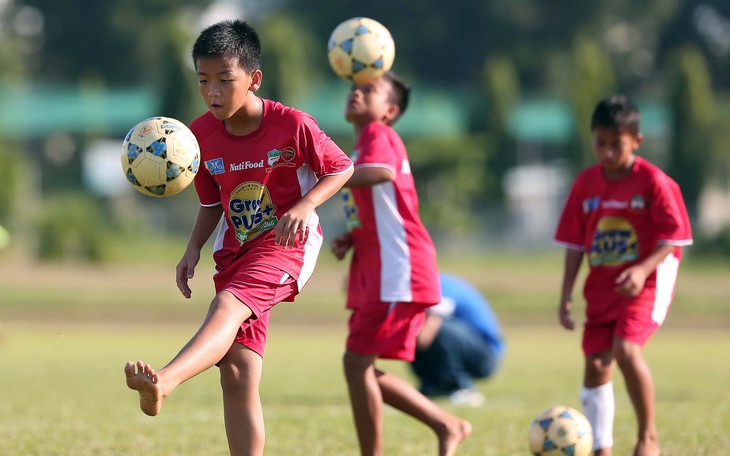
(234, 38)
(400, 93)
(617, 112)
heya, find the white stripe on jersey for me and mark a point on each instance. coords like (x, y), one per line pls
(307, 180)
(666, 278)
(395, 258)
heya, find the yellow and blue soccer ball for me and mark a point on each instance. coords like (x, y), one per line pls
(160, 156)
(360, 50)
(561, 431)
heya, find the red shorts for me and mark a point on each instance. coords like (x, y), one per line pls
(387, 330)
(636, 320)
(260, 287)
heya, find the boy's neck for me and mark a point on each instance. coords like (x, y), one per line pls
(247, 119)
(622, 173)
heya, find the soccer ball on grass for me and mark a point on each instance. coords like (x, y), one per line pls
(561, 431)
(160, 156)
(360, 50)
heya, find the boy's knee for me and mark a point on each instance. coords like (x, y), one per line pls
(598, 369)
(355, 365)
(625, 352)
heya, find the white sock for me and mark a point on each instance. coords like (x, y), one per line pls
(599, 408)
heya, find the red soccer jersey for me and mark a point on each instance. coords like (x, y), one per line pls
(618, 223)
(257, 178)
(394, 258)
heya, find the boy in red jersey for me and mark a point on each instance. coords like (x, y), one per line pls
(393, 274)
(629, 219)
(267, 167)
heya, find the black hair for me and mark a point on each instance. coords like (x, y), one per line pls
(617, 112)
(400, 93)
(234, 38)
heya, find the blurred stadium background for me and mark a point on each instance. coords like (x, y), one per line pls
(496, 131)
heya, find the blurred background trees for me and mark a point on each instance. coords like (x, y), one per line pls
(498, 126)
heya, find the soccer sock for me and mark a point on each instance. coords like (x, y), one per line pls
(599, 408)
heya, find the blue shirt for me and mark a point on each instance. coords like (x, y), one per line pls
(471, 307)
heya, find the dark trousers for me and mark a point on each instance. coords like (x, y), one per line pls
(457, 356)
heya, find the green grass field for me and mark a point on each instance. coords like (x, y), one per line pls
(66, 332)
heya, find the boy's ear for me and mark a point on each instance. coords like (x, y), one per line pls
(392, 113)
(638, 139)
(256, 78)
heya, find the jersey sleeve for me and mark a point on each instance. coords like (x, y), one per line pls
(375, 148)
(205, 185)
(670, 213)
(207, 188)
(323, 156)
(570, 232)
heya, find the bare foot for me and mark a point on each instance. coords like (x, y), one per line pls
(146, 382)
(452, 435)
(647, 447)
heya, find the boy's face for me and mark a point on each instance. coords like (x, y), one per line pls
(370, 102)
(225, 85)
(614, 149)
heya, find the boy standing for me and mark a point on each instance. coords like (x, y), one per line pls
(629, 219)
(267, 167)
(393, 274)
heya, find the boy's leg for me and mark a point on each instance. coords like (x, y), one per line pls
(398, 393)
(598, 400)
(205, 349)
(640, 387)
(366, 401)
(240, 372)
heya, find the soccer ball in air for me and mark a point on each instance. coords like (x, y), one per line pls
(560, 431)
(160, 156)
(360, 50)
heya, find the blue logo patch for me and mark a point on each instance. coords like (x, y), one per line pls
(591, 204)
(215, 166)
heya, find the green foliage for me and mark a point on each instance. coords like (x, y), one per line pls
(73, 227)
(501, 87)
(12, 164)
(593, 80)
(693, 106)
(451, 176)
(714, 246)
(288, 65)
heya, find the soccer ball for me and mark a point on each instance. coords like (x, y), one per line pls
(560, 431)
(160, 156)
(360, 50)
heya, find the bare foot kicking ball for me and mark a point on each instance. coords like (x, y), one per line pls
(143, 379)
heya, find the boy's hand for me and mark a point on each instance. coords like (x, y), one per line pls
(292, 226)
(185, 270)
(340, 245)
(566, 321)
(631, 281)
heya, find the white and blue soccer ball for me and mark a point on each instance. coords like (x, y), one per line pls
(360, 50)
(160, 156)
(561, 431)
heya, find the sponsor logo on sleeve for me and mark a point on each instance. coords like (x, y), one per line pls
(215, 166)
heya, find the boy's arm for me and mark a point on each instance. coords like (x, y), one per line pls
(573, 259)
(293, 224)
(367, 176)
(631, 280)
(205, 223)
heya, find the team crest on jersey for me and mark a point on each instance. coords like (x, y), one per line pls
(276, 158)
(637, 202)
(614, 242)
(251, 211)
(215, 166)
